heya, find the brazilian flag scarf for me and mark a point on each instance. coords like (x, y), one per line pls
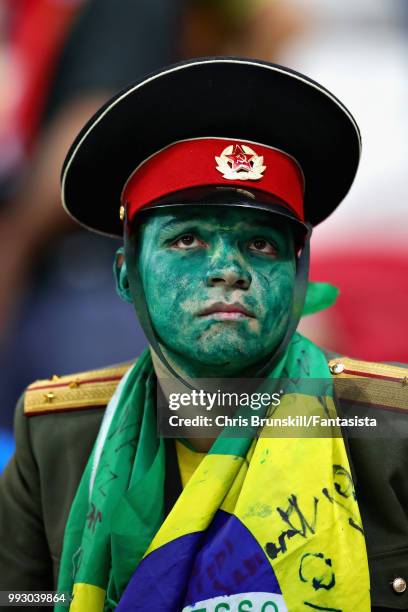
(265, 524)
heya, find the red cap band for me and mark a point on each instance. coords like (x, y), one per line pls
(222, 162)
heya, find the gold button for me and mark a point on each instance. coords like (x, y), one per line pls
(122, 213)
(399, 585)
(49, 396)
(337, 368)
(74, 384)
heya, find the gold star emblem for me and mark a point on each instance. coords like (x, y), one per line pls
(240, 162)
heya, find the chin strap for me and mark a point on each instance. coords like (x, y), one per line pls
(140, 304)
(298, 300)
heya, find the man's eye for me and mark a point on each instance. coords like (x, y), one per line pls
(260, 245)
(187, 241)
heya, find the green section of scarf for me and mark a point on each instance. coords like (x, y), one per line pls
(319, 296)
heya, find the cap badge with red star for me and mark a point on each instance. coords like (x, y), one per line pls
(240, 162)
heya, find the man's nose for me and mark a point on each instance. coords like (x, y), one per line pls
(229, 274)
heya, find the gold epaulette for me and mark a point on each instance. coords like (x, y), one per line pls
(74, 392)
(378, 384)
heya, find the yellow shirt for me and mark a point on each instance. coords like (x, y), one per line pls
(188, 461)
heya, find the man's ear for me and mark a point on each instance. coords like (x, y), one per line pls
(121, 276)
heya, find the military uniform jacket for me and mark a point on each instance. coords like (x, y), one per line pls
(56, 424)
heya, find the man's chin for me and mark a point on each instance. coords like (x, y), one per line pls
(225, 358)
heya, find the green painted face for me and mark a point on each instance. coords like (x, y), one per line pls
(218, 283)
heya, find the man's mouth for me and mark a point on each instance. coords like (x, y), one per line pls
(226, 312)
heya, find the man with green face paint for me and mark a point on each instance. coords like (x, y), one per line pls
(219, 283)
(215, 194)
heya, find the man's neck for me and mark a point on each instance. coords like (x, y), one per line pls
(168, 383)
